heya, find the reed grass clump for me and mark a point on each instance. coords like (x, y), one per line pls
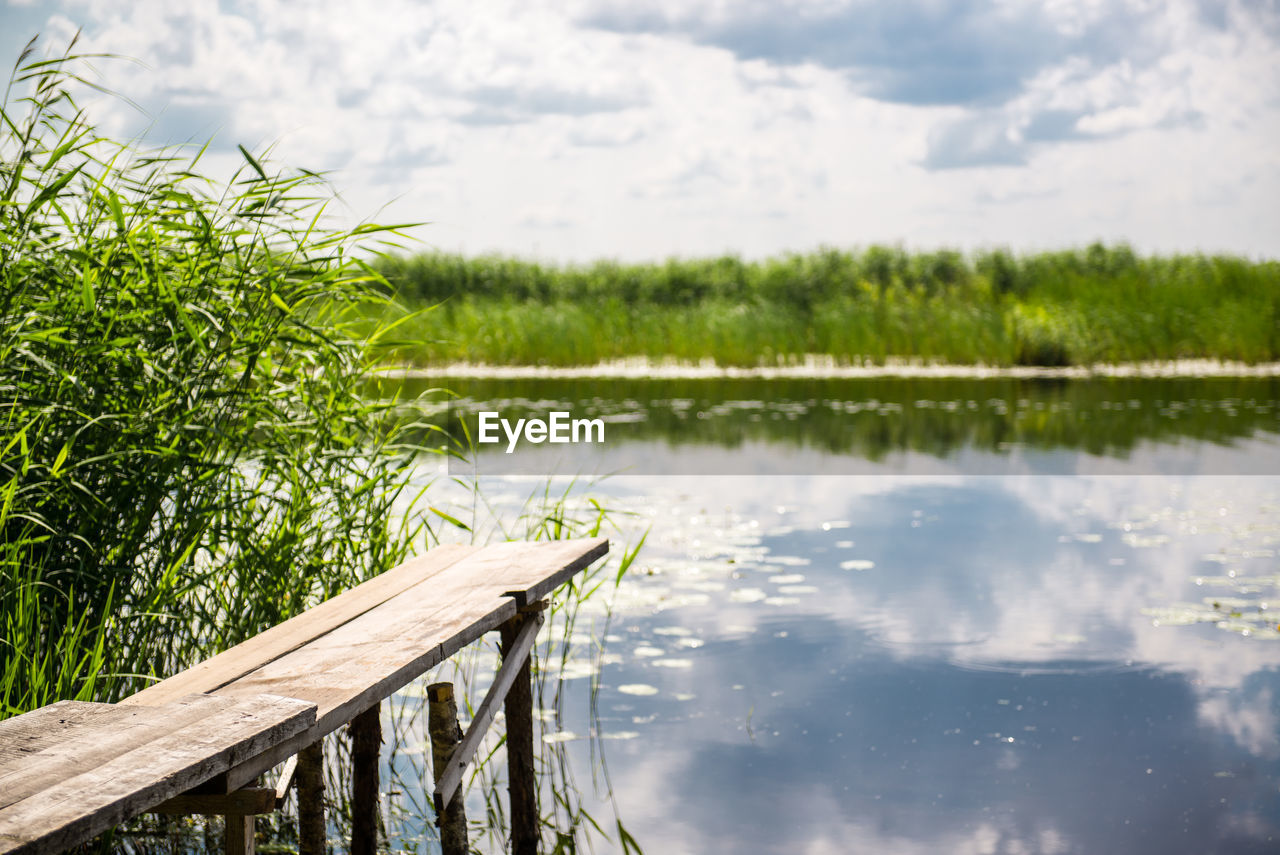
(1097, 304)
(185, 457)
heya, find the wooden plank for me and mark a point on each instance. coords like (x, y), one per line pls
(342, 688)
(55, 712)
(30, 733)
(512, 662)
(286, 779)
(279, 640)
(246, 802)
(528, 587)
(356, 665)
(396, 641)
(94, 799)
(95, 740)
(343, 656)
(375, 655)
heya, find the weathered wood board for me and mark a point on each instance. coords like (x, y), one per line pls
(361, 662)
(255, 652)
(346, 671)
(94, 739)
(72, 770)
(25, 735)
(157, 753)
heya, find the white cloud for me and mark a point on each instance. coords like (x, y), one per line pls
(737, 129)
(1251, 722)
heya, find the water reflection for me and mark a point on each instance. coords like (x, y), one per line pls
(1058, 661)
(991, 681)
(860, 426)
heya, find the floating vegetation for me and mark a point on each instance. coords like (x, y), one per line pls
(1138, 541)
(620, 734)
(1242, 584)
(787, 560)
(1247, 618)
(571, 670)
(707, 586)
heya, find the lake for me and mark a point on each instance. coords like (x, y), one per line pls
(989, 616)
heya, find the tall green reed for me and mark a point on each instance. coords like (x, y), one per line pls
(188, 452)
(1082, 306)
(186, 455)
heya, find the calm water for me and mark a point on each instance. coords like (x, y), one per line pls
(924, 657)
(874, 426)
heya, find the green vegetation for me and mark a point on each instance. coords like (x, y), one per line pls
(187, 452)
(185, 455)
(1100, 304)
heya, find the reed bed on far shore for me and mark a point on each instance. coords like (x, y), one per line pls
(1099, 304)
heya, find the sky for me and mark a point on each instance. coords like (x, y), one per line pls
(579, 129)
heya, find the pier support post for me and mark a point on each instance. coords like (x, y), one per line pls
(366, 747)
(310, 790)
(522, 784)
(442, 725)
(239, 834)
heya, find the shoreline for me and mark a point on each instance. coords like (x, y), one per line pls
(818, 367)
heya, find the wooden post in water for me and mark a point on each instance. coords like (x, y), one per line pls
(522, 784)
(366, 747)
(310, 790)
(446, 733)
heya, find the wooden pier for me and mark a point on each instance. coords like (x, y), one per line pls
(197, 742)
